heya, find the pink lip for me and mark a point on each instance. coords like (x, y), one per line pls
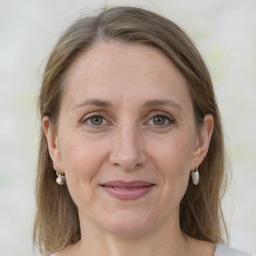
(127, 190)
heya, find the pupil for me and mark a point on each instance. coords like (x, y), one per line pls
(96, 120)
(159, 120)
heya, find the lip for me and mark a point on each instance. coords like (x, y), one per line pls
(130, 190)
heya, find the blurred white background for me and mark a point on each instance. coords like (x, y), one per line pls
(225, 33)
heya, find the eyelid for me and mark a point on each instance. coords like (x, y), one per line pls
(168, 116)
(90, 116)
(165, 115)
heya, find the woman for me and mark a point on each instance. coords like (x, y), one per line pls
(128, 113)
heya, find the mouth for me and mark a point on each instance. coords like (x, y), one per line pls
(131, 190)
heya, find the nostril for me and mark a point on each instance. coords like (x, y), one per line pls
(127, 149)
(127, 162)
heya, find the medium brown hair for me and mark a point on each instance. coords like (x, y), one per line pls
(57, 222)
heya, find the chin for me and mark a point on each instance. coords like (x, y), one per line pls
(128, 224)
(128, 230)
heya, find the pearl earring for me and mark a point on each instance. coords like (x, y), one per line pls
(61, 178)
(195, 176)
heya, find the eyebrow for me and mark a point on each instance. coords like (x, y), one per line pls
(150, 103)
(96, 102)
(163, 102)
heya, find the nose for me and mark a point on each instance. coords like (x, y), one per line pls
(127, 149)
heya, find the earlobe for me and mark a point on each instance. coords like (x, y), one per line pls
(203, 141)
(52, 141)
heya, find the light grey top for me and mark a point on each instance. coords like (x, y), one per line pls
(225, 250)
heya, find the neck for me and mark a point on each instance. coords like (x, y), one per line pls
(166, 241)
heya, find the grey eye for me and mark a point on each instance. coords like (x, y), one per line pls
(159, 120)
(96, 120)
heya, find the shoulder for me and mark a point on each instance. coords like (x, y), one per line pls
(59, 253)
(67, 251)
(225, 250)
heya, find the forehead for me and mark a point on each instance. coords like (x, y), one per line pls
(123, 70)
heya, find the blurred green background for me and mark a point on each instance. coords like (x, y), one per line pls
(225, 33)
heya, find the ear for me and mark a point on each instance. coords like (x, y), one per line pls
(53, 144)
(202, 141)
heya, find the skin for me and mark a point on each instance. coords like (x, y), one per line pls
(133, 137)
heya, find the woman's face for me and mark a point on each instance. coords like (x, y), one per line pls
(126, 138)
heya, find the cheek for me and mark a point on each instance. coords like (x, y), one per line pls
(81, 158)
(172, 158)
(174, 153)
(82, 162)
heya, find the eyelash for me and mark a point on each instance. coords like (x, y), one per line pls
(167, 117)
(89, 118)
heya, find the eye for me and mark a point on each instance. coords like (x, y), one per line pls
(95, 120)
(161, 120)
